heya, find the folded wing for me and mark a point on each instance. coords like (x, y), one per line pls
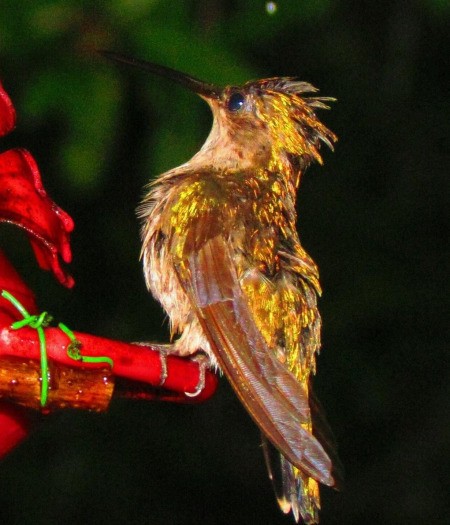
(269, 391)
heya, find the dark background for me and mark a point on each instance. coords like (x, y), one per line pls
(374, 218)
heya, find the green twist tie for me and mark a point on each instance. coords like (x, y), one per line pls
(74, 349)
(39, 322)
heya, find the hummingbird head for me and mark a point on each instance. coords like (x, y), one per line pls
(264, 123)
(271, 120)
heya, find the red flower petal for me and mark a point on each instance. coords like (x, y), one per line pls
(7, 113)
(15, 425)
(24, 202)
(11, 281)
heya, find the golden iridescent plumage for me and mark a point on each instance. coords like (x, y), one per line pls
(222, 255)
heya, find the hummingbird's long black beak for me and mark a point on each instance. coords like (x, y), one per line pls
(194, 84)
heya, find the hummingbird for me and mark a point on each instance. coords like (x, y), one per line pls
(222, 255)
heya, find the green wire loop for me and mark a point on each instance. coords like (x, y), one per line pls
(74, 349)
(39, 322)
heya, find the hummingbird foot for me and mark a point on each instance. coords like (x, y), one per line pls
(164, 351)
(163, 360)
(203, 363)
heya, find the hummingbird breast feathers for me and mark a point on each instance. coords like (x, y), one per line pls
(255, 213)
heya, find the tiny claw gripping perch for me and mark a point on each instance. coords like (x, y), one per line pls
(163, 359)
(203, 364)
(163, 351)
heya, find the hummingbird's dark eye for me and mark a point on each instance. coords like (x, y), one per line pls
(236, 101)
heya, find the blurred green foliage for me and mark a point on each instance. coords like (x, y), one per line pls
(374, 218)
